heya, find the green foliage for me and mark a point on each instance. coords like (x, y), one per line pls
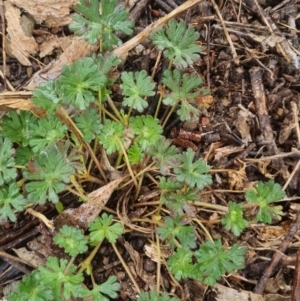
(10, 198)
(109, 288)
(164, 154)
(234, 220)
(79, 80)
(174, 229)
(147, 128)
(180, 264)
(61, 280)
(48, 174)
(31, 289)
(213, 261)
(93, 26)
(263, 195)
(176, 198)
(192, 173)
(18, 126)
(135, 154)
(178, 43)
(46, 96)
(102, 227)
(135, 86)
(184, 89)
(7, 163)
(71, 239)
(89, 124)
(111, 135)
(154, 296)
(46, 132)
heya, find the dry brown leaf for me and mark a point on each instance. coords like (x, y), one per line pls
(53, 42)
(88, 211)
(55, 13)
(244, 118)
(20, 45)
(225, 151)
(136, 258)
(237, 177)
(226, 293)
(29, 256)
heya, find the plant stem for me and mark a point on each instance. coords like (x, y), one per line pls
(66, 119)
(85, 264)
(114, 108)
(125, 266)
(128, 163)
(158, 272)
(211, 206)
(169, 114)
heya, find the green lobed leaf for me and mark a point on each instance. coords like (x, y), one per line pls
(263, 195)
(182, 86)
(89, 124)
(102, 227)
(177, 200)
(174, 229)
(8, 171)
(62, 281)
(213, 261)
(71, 239)
(135, 86)
(164, 154)
(48, 174)
(180, 264)
(178, 43)
(11, 199)
(46, 96)
(18, 126)
(46, 132)
(79, 81)
(234, 219)
(93, 26)
(111, 135)
(31, 289)
(147, 129)
(192, 173)
(135, 154)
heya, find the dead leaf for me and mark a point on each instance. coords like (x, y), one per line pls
(244, 118)
(136, 258)
(20, 45)
(30, 256)
(226, 293)
(54, 42)
(55, 13)
(88, 211)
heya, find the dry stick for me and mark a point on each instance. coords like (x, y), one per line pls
(233, 51)
(263, 117)
(3, 42)
(296, 281)
(123, 50)
(259, 288)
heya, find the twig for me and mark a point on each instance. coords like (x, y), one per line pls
(259, 288)
(296, 281)
(3, 42)
(263, 117)
(233, 51)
